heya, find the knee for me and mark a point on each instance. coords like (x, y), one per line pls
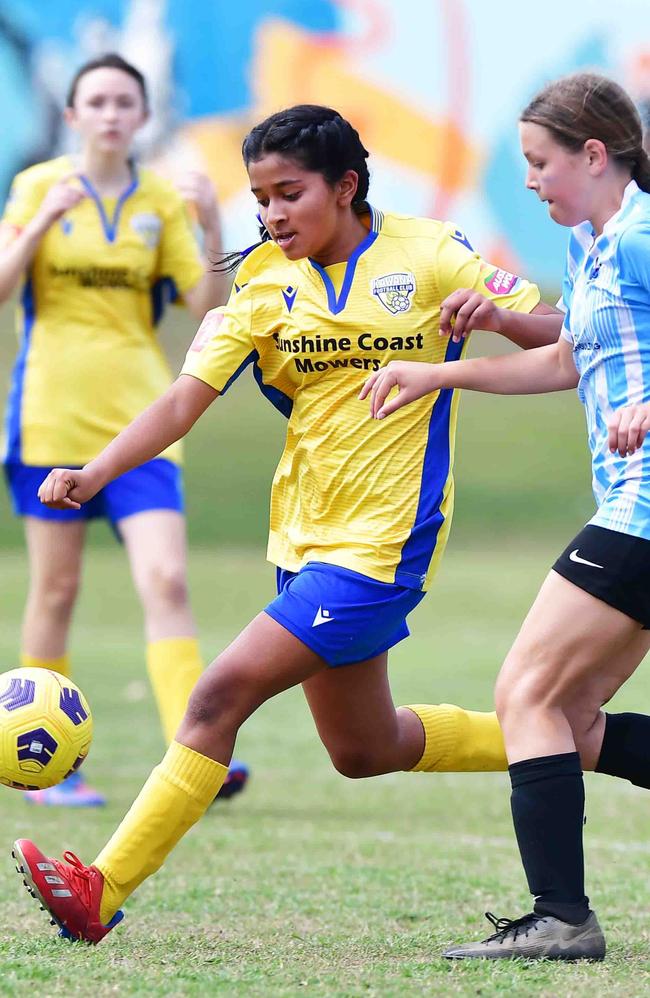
(164, 586)
(355, 762)
(526, 687)
(56, 594)
(220, 697)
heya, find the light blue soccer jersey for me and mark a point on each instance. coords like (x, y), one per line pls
(606, 297)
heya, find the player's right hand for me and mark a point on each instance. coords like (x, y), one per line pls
(61, 197)
(67, 489)
(627, 428)
(464, 310)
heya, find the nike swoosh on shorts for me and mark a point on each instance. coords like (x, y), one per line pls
(574, 556)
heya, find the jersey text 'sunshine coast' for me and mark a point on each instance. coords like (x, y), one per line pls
(372, 496)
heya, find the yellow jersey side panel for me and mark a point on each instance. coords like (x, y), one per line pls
(89, 359)
(372, 496)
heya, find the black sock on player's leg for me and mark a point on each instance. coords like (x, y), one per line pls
(625, 750)
(548, 802)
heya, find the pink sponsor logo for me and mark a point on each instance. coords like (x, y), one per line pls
(207, 330)
(501, 282)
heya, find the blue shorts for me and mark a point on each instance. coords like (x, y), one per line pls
(341, 615)
(158, 484)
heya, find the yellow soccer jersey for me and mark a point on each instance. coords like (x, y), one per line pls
(372, 496)
(89, 360)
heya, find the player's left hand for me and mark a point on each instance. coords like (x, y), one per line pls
(464, 310)
(628, 428)
(197, 188)
(412, 379)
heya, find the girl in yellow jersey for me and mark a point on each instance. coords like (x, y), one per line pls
(99, 245)
(360, 510)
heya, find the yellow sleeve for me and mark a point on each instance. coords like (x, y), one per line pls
(179, 257)
(223, 345)
(22, 204)
(460, 266)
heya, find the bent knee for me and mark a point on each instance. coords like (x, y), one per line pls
(212, 699)
(223, 694)
(356, 763)
(520, 695)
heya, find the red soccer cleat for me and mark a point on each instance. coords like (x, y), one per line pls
(70, 891)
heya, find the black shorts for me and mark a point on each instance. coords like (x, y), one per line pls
(612, 566)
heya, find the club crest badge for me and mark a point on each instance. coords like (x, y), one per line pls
(394, 291)
(148, 227)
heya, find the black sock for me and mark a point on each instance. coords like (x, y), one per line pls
(548, 803)
(626, 748)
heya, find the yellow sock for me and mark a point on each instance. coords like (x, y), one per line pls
(174, 797)
(459, 741)
(174, 666)
(60, 664)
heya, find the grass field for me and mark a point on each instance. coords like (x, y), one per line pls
(311, 884)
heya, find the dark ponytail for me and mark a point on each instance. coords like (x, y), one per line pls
(316, 137)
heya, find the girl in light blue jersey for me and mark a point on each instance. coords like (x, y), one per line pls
(589, 626)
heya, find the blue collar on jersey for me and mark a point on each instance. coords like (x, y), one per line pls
(110, 226)
(335, 304)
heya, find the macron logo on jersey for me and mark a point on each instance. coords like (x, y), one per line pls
(289, 295)
(322, 617)
(461, 238)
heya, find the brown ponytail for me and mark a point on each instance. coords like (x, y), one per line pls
(641, 171)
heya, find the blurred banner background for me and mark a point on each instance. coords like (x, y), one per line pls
(435, 88)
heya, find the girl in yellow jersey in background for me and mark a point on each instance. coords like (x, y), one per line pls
(99, 245)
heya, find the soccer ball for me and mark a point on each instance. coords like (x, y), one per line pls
(45, 728)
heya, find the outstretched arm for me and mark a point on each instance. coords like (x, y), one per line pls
(537, 371)
(168, 419)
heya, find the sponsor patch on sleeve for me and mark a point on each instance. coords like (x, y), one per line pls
(207, 330)
(502, 282)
